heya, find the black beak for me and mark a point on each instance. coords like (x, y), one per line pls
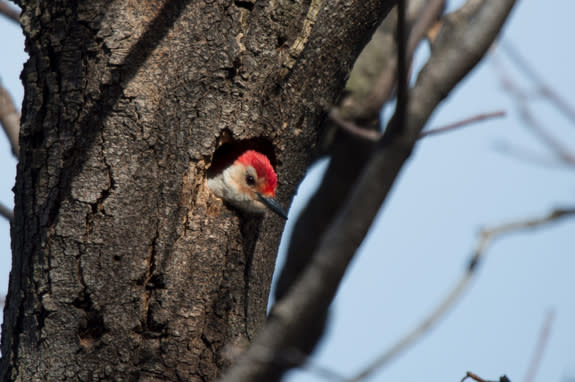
(273, 205)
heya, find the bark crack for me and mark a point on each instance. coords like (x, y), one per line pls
(91, 327)
(152, 281)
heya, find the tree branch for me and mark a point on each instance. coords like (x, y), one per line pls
(349, 152)
(418, 331)
(540, 346)
(486, 237)
(456, 52)
(6, 212)
(402, 70)
(9, 119)
(558, 148)
(465, 122)
(544, 89)
(380, 93)
(374, 136)
(527, 155)
(9, 11)
(477, 378)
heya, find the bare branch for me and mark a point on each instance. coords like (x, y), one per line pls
(456, 50)
(402, 69)
(452, 297)
(524, 154)
(454, 55)
(426, 21)
(489, 234)
(540, 347)
(417, 332)
(370, 135)
(9, 119)
(382, 90)
(477, 378)
(556, 145)
(473, 376)
(520, 98)
(373, 136)
(462, 123)
(9, 11)
(6, 212)
(544, 89)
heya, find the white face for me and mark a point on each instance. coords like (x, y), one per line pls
(238, 185)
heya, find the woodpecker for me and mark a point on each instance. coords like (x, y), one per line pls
(249, 184)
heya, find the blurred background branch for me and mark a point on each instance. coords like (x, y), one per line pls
(9, 119)
(9, 11)
(487, 236)
(522, 99)
(6, 212)
(540, 346)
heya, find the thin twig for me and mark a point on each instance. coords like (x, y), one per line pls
(554, 97)
(473, 376)
(527, 155)
(541, 346)
(462, 123)
(9, 11)
(520, 98)
(374, 136)
(477, 378)
(417, 332)
(564, 153)
(490, 234)
(486, 237)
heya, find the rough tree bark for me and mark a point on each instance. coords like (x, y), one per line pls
(124, 265)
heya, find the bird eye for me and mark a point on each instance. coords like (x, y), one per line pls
(250, 180)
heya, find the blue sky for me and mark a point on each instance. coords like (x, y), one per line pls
(454, 185)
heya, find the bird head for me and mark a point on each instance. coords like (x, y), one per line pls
(249, 183)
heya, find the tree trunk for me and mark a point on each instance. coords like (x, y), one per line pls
(125, 267)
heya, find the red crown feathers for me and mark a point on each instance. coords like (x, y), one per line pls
(263, 168)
